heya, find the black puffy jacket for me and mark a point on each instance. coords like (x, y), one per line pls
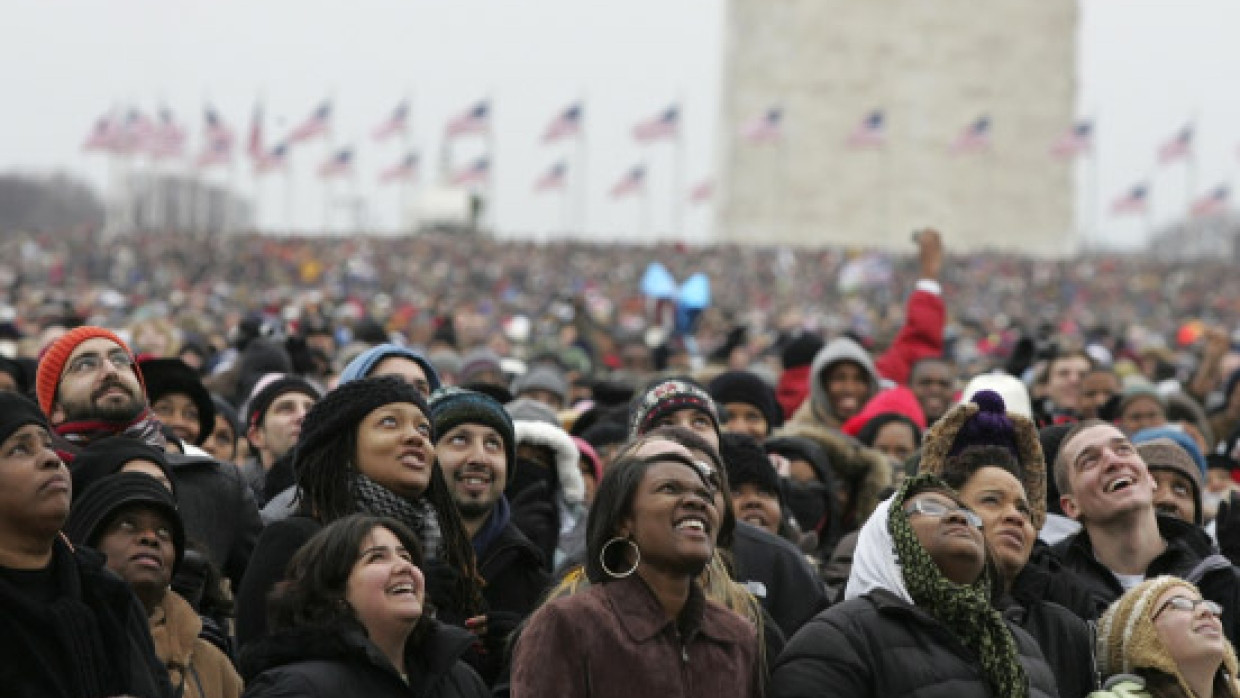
(330, 662)
(878, 646)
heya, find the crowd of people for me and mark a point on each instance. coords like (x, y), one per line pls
(449, 467)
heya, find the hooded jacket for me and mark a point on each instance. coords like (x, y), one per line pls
(866, 472)
(817, 410)
(330, 662)
(570, 500)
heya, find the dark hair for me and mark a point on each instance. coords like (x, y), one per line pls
(313, 591)
(959, 468)
(694, 442)
(325, 490)
(927, 361)
(869, 431)
(1061, 464)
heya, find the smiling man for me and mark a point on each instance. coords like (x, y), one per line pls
(1106, 486)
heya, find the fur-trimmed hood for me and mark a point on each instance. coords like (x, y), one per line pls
(566, 456)
(865, 471)
(942, 435)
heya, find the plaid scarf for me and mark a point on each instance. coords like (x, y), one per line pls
(964, 610)
(418, 514)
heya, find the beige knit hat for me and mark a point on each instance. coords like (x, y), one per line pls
(1128, 640)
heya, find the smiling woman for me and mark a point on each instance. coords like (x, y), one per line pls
(651, 531)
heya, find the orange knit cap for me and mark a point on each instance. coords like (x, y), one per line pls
(52, 362)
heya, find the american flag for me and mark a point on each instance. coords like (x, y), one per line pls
(554, 179)
(871, 132)
(394, 124)
(1078, 140)
(215, 153)
(975, 138)
(135, 134)
(477, 173)
(1180, 147)
(632, 182)
(167, 138)
(104, 136)
(767, 128)
(475, 120)
(339, 164)
(314, 126)
(1135, 200)
(1212, 204)
(566, 124)
(702, 193)
(275, 159)
(665, 124)
(403, 171)
(255, 145)
(215, 130)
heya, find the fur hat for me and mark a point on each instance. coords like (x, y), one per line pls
(1165, 454)
(1128, 640)
(666, 397)
(986, 422)
(452, 407)
(174, 376)
(566, 455)
(747, 387)
(56, 355)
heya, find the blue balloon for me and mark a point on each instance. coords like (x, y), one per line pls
(658, 282)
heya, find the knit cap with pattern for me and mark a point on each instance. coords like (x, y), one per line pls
(1128, 640)
(451, 407)
(666, 397)
(1164, 454)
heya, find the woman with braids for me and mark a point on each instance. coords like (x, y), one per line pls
(643, 627)
(367, 447)
(350, 621)
(917, 617)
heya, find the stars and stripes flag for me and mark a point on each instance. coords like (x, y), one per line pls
(167, 139)
(217, 140)
(477, 173)
(974, 138)
(665, 124)
(554, 179)
(1135, 200)
(474, 120)
(134, 134)
(1212, 204)
(566, 124)
(339, 164)
(396, 123)
(1179, 147)
(871, 132)
(274, 159)
(403, 171)
(214, 153)
(104, 136)
(314, 126)
(702, 193)
(766, 128)
(632, 182)
(254, 146)
(1078, 140)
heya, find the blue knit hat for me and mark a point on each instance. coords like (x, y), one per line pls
(452, 406)
(364, 363)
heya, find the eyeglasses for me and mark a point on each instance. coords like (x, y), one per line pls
(937, 509)
(1183, 603)
(90, 363)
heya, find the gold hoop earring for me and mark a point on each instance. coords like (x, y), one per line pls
(602, 558)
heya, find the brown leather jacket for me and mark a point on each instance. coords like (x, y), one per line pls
(203, 670)
(614, 639)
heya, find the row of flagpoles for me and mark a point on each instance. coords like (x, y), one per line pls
(133, 134)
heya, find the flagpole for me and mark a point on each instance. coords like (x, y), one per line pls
(583, 192)
(678, 176)
(489, 210)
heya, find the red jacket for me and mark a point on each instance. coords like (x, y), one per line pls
(920, 336)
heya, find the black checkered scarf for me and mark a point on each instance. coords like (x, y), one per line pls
(418, 514)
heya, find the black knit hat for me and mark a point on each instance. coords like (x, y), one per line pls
(21, 377)
(94, 509)
(747, 387)
(266, 391)
(229, 413)
(668, 396)
(174, 376)
(107, 456)
(452, 406)
(747, 463)
(802, 448)
(801, 350)
(341, 410)
(16, 411)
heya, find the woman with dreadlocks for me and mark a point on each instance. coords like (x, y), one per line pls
(367, 447)
(917, 617)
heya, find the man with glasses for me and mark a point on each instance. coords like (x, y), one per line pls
(90, 388)
(1106, 486)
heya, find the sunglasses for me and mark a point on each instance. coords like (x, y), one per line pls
(937, 509)
(1183, 603)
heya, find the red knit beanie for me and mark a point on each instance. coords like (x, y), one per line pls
(52, 362)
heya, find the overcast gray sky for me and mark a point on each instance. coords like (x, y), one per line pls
(1146, 67)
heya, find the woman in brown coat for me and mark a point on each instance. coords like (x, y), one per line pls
(643, 627)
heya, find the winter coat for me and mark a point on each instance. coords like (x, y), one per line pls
(275, 548)
(197, 668)
(920, 336)
(332, 662)
(778, 575)
(218, 510)
(614, 640)
(94, 625)
(879, 646)
(865, 471)
(1066, 641)
(1189, 555)
(817, 409)
(513, 571)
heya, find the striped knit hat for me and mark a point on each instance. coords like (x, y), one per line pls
(666, 397)
(452, 406)
(56, 355)
(1128, 640)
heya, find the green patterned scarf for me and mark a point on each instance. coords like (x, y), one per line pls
(965, 610)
